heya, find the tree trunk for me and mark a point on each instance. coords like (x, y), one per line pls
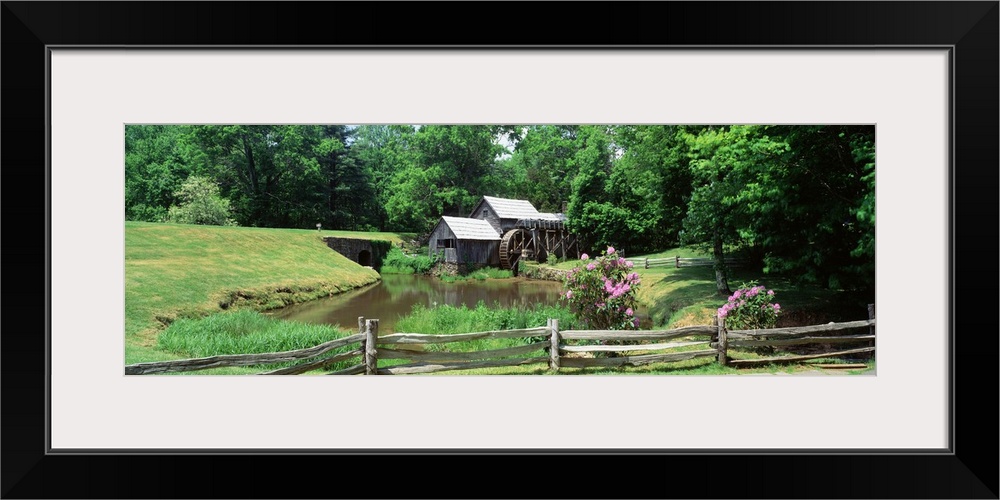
(721, 277)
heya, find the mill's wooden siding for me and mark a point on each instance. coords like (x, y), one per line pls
(501, 225)
(465, 251)
(441, 232)
(479, 252)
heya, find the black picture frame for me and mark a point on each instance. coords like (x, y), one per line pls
(969, 28)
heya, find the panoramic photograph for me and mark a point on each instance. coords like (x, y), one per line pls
(455, 249)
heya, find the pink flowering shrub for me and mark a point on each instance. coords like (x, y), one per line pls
(602, 291)
(750, 308)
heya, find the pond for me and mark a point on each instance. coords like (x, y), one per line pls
(396, 295)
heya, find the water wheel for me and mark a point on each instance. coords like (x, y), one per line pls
(512, 246)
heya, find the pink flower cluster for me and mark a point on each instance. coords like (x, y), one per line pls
(750, 307)
(602, 291)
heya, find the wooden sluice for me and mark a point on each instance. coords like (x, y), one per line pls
(549, 236)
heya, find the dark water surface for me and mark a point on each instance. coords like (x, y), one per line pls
(396, 295)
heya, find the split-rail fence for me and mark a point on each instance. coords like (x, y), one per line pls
(543, 345)
(680, 262)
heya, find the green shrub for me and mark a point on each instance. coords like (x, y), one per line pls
(200, 203)
(491, 273)
(396, 262)
(390, 269)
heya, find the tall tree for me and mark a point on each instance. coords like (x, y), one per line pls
(731, 168)
(800, 197)
(541, 168)
(158, 158)
(383, 152)
(271, 173)
(590, 213)
(653, 178)
(817, 217)
(454, 166)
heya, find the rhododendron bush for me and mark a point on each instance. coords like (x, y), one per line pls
(750, 308)
(601, 292)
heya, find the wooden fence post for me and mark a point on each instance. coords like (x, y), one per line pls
(647, 262)
(723, 342)
(371, 353)
(677, 262)
(554, 344)
(871, 316)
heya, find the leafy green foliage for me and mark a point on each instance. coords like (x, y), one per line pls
(397, 262)
(157, 160)
(200, 203)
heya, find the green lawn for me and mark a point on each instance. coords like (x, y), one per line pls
(177, 271)
(687, 296)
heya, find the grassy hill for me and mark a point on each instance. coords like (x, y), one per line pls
(175, 271)
(687, 296)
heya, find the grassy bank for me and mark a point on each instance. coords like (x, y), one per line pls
(687, 296)
(175, 271)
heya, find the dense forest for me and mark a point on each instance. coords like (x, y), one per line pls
(801, 199)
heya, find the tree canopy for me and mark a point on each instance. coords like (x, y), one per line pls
(798, 199)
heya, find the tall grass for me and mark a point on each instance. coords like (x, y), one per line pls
(448, 319)
(242, 332)
(246, 332)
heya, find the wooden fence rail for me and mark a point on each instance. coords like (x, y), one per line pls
(679, 262)
(373, 348)
(799, 335)
(183, 365)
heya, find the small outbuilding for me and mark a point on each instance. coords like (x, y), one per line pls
(465, 242)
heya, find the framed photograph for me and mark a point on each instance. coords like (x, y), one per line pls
(924, 74)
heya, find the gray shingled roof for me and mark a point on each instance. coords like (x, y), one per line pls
(512, 209)
(548, 216)
(470, 229)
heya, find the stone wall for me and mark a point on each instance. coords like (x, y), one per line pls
(544, 273)
(360, 251)
(455, 269)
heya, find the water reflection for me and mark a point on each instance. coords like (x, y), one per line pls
(396, 295)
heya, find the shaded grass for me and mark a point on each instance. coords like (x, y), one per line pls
(178, 271)
(687, 296)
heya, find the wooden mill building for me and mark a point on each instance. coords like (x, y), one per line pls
(499, 232)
